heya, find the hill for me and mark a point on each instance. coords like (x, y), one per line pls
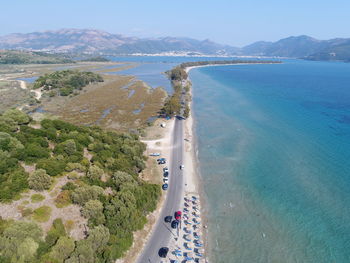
(301, 47)
(91, 41)
(26, 57)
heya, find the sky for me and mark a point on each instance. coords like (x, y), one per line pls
(233, 22)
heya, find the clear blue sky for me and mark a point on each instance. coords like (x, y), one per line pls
(234, 22)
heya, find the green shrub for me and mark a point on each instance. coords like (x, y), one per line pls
(39, 180)
(52, 166)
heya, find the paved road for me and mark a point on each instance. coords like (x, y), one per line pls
(162, 231)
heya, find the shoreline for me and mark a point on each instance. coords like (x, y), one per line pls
(195, 169)
(193, 156)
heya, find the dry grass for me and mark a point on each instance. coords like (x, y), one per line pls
(110, 105)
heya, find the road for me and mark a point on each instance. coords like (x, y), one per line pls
(162, 232)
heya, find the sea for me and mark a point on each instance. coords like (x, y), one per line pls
(273, 144)
(274, 155)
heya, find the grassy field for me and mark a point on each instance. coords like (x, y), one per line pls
(119, 103)
(42, 214)
(35, 198)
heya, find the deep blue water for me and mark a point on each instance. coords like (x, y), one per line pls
(274, 152)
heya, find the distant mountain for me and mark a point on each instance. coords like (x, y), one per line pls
(338, 50)
(301, 47)
(96, 42)
(99, 42)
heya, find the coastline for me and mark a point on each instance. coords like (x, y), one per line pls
(193, 170)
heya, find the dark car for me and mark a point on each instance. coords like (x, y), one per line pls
(166, 174)
(165, 186)
(168, 219)
(175, 223)
(163, 252)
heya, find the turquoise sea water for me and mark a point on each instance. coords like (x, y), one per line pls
(274, 153)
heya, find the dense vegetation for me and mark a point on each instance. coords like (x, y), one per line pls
(102, 168)
(225, 62)
(95, 59)
(65, 82)
(25, 57)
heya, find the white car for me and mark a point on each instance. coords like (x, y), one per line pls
(165, 180)
(182, 167)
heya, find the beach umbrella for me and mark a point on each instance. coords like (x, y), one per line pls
(188, 246)
(187, 238)
(187, 230)
(187, 222)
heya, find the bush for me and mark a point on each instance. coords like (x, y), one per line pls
(95, 173)
(63, 199)
(93, 210)
(52, 166)
(33, 152)
(69, 186)
(18, 116)
(12, 184)
(81, 195)
(39, 180)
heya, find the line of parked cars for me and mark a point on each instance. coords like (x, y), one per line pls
(165, 185)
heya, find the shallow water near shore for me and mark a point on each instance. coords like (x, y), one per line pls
(274, 151)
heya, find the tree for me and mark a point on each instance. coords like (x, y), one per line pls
(19, 241)
(95, 172)
(93, 210)
(18, 116)
(52, 166)
(83, 252)
(67, 147)
(120, 178)
(81, 195)
(98, 237)
(62, 250)
(9, 143)
(39, 180)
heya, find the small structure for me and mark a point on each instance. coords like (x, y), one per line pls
(163, 125)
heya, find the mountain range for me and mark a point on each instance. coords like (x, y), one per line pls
(91, 41)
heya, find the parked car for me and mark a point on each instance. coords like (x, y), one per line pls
(174, 224)
(182, 167)
(165, 187)
(165, 180)
(165, 169)
(155, 154)
(161, 162)
(166, 174)
(168, 219)
(163, 252)
(161, 159)
(178, 215)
